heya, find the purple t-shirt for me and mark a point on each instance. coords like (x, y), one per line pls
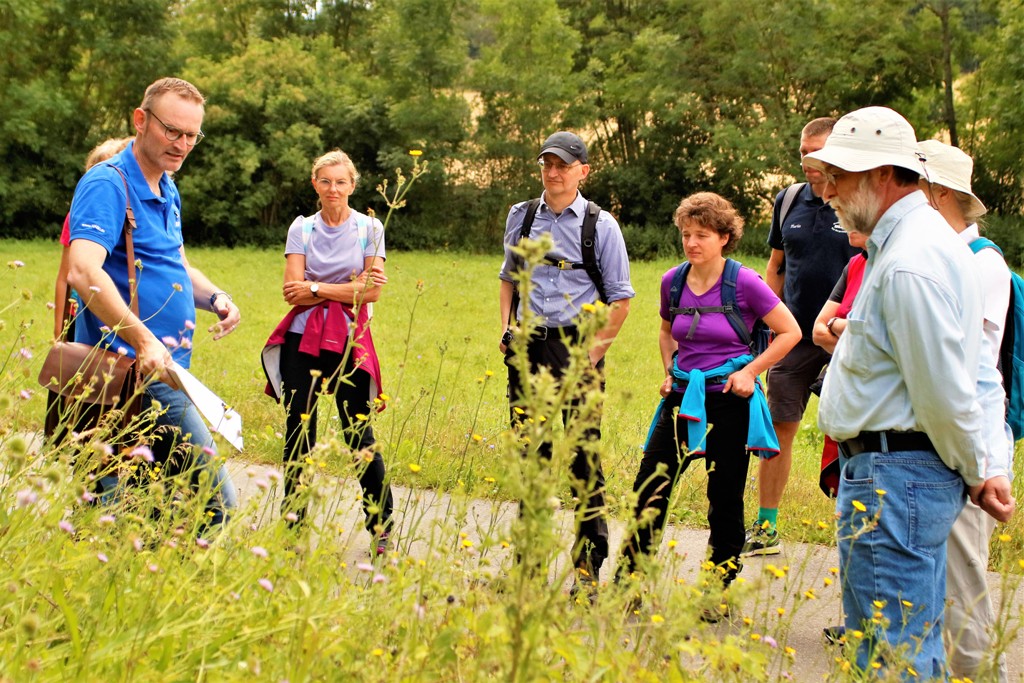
(334, 254)
(714, 340)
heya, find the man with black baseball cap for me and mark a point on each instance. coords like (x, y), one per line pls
(588, 264)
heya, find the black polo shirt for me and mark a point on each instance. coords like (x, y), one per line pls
(816, 251)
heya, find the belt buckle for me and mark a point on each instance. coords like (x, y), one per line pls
(540, 333)
(564, 264)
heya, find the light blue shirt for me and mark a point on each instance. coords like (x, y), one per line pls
(912, 356)
(558, 295)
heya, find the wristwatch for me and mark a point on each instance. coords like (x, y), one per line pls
(314, 289)
(213, 297)
(831, 321)
(506, 339)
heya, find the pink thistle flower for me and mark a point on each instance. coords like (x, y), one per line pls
(102, 557)
(50, 305)
(15, 264)
(186, 343)
(87, 497)
(770, 642)
(94, 289)
(66, 526)
(364, 567)
(209, 451)
(379, 578)
(106, 519)
(259, 551)
(25, 394)
(171, 543)
(419, 610)
(262, 484)
(274, 476)
(169, 342)
(122, 351)
(202, 543)
(25, 497)
(266, 585)
(291, 517)
(143, 452)
(189, 325)
(104, 329)
(25, 353)
(137, 544)
(153, 568)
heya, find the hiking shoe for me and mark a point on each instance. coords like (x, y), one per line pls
(835, 635)
(761, 541)
(584, 588)
(382, 546)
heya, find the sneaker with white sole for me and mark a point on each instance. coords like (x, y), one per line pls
(761, 541)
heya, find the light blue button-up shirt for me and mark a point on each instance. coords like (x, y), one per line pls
(558, 295)
(913, 356)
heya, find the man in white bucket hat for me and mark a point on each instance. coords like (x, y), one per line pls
(969, 614)
(904, 394)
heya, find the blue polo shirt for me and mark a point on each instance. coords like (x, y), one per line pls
(166, 303)
(816, 250)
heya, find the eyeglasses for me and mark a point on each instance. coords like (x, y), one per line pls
(556, 166)
(174, 134)
(325, 185)
(832, 175)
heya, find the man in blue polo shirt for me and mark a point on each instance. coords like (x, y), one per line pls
(167, 125)
(809, 252)
(559, 294)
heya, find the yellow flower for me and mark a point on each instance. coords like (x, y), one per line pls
(857, 634)
(879, 603)
(466, 543)
(834, 571)
(385, 397)
(828, 581)
(790, 652)
(304, 417)
(747, 621)
(907, 603)
(362, 417)
(809, 594)
(755, 636)
(490, 480)
(781, 611)
(488, 373)
(518, 411)
(415, 152)
(377, 652)
(413, 467)
(880, 492)
(911, 671)
(477, 437)
(1005, 538)
(673, 543)
(859, 506)
(657, 619)
(588, 308)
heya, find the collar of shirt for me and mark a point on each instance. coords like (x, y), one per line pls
(138, 181)
(892, 216)
(578, 206)
(970, 233)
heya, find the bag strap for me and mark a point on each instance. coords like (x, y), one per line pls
(729, 306)
(787, 201)
(587, 244)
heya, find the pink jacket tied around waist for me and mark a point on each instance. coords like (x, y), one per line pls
(328, 332)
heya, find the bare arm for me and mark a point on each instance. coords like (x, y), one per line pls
(772, 276)
(668, 346)
(366, 288)
(100, 294)
(202, 290)
(505, 307)
(618, 310)
(787, 334)
(60, 292)
(821, 335)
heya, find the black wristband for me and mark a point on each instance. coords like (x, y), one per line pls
(507, 338)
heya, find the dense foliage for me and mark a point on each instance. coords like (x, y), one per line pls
(673, 95)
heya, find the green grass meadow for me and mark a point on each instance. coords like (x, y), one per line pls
(138, 590)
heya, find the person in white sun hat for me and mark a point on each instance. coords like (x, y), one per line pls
(969, 613)
(904, 396)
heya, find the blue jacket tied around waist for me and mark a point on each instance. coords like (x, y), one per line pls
(760, 433)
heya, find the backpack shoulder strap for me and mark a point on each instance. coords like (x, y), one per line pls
(787, 201)
(731, 309)
(308, 225)
(675, 292)
(531, 213)
(984, 243)
(587, 247)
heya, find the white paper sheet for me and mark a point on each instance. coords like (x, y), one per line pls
(224, 420)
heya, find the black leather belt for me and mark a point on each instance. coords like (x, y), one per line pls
(871, 442)
(541, 333)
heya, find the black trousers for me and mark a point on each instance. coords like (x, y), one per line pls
(301, 393)
(726, 461)
(590, 548)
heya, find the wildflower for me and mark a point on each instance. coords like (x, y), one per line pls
(413, 467)
(477, 438)
(25, 353)
(657, 619)
(266, 585)
(911, 671)
(87, 497)
(385, 397)
(415, 152)
(827, 581)
(488, 373)
(466, 543)
(94, 289)
(209, 451)
(589, 308)
(364, 567)
(781, 611)
(747, 621)
(879, 604)
(189, 325)
(169, 341)
(906, 603)
(291, 517)
(259, 551)
(755, 636)
(379, 578)
(202, 543)
(790, 652)
(25, 394)
(1005, 538)
(769, 641)
(106, 519)
(362, 417)
(102, 558)
(834, 571)
(772, 569)
(377, 652)
(153, 569)
(859, 506)
(143, 452)
(262, 484)
(518, 411)
(50, 305)
(809, 594)
(65, 526)
(177, 287)
(672, 543)
(137, 544)
(489, 480)
(857, 634)
(14, 265)
(880, 492)
(25, 497)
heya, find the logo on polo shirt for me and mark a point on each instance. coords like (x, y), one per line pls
(836, 227)
(93, 227)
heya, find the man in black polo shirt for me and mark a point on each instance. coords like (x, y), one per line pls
(809, 252)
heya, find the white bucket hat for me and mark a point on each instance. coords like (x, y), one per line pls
(950, 167)
(869, 138)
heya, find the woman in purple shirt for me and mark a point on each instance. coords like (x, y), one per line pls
(334, 270)
(697, 340)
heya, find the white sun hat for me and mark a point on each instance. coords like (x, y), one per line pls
(869, 138)
(950, 167)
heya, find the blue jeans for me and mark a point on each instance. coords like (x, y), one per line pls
(898, 561)
(187, 425)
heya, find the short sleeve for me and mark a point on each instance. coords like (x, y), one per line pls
(294, 243)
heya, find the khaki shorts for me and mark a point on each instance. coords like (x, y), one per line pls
(790, 379)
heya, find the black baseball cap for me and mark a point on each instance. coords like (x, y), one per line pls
(566, 146)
